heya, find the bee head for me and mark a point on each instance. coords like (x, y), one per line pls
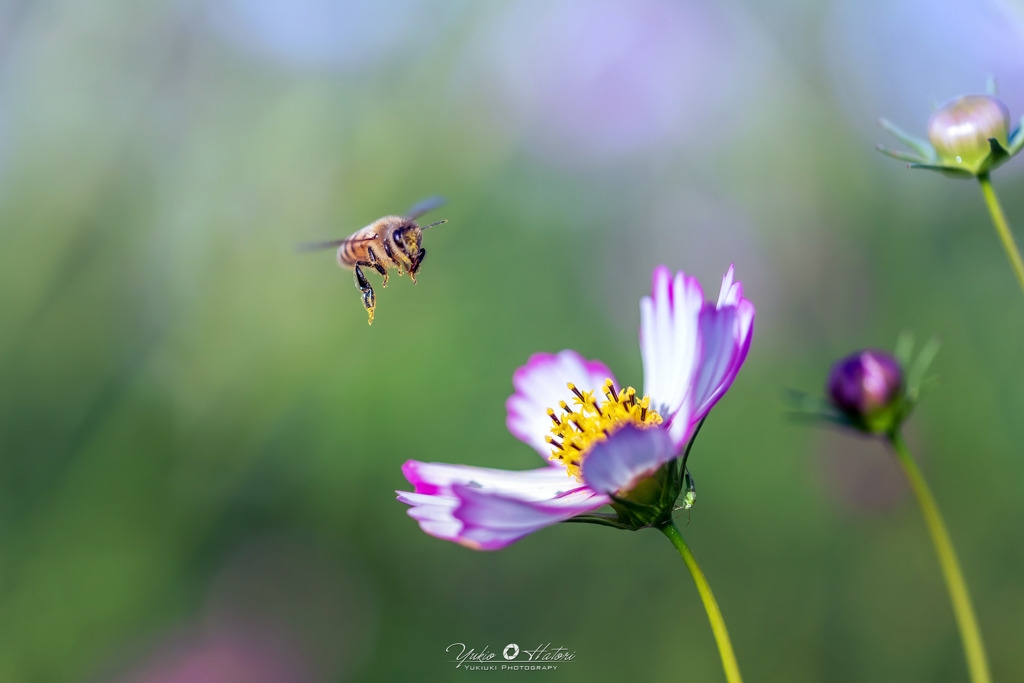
(408, 243)
(408, 239)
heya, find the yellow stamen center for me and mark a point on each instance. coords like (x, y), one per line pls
(575, 430)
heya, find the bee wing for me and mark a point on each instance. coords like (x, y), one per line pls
(428, 204)
(317, 246)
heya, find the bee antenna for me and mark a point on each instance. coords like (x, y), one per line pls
(433, 224)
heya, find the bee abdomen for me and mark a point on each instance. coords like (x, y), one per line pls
(353, 250)
(346, 254)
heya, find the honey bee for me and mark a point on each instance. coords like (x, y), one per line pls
(388, 242)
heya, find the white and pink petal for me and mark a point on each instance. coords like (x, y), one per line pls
(732, 291)
(434, 513)
(720, 353)
(692, 350)
(725, 333)
(669, 340)
(487, 509)
(437, 478)
(626, 457)
(491, 521)
(732, 295)
(541, 384)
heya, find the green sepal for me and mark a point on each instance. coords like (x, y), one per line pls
(951, 171)
(833, 417)
(633, 515)
(904, 349)
(631, 505)
(805, 403)
(995, 157)
(680, 463)
(991, 86)
(807, 408)
(900, 156)
(1016, 141)
(601, 520)
(916, 372)
(925, 151)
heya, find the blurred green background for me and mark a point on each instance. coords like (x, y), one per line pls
(201, 437)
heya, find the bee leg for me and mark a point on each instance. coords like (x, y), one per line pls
(378, 267)
(364, 286)
(415, 267)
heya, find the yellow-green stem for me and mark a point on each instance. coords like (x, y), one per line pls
(1002, 228)
(974, 648)
(732, 669)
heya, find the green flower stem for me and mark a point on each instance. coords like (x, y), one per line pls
(969, 633)
(1002, 227)
(732, 669)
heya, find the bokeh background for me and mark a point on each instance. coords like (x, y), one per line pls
(200, 436)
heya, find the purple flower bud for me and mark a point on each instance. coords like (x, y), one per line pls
(867, 386)
(960, 131)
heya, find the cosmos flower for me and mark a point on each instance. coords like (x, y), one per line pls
(871, 390)
(867, 387)
(969, 137)
(604, 443)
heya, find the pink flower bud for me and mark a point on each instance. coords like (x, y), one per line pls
(960, 131)
(867, 387)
